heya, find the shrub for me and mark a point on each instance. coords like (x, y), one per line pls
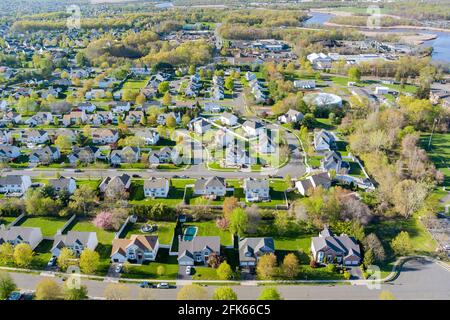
(347, 275)
(331, 268)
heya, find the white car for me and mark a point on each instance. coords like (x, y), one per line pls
(118, 268)
(188, 270)
(163, 285)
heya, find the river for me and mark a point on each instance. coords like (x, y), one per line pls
(441, 45)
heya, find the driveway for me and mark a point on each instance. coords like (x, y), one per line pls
(182, 274)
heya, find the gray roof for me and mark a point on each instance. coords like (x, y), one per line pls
(251, 248)
(198, 244)
(18, 232)
(253, 124)
(60, 183)
(217, 182)
(11, 179)
(155, 183)
(251, 183)
(72, 237)
(324, 135)
(343, 244)
(321, 178)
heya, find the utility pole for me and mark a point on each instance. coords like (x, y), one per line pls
(431, 135)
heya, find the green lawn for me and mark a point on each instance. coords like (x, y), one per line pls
(355, 170)
(439, 152)
(175, 196)
(103, 236)
(7, 220)
(148, 270)
(42, 255)
(205, 273)
(209, 228)
(165, 230)
(48, 225)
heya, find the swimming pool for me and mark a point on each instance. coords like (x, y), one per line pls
(189, 233)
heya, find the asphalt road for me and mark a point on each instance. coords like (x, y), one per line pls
(419, 279)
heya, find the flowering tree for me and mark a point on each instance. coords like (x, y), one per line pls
(104, 220)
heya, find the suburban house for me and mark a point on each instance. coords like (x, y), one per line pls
(253, 128)
(71, 134)
(120, 107)
(45, 155)
(199, 125)
(5, 137)
(8, 152)
(17, 235)
(104, 136)
(266, 144)
(122, 182)
(197, 250)
(237, 156)
(40, 118)
(312, 182)
(35, 136)
(150, 137)
(329, 248)
(86, 107)
(162, 118)
(134, 117)
(305, 84)
(165, 155)
(156, 188)
(256, 190)
(291, 116)
(15, 184)
(101, 117)
(86, 154)
(74, 117)
(137, 249)
(212, 107)
(440, 96)
(213, 186)
(251, 249)
(228, 119)
(223, 138)
(76, 241)
(68, 185)
(324, 141)
(125, 155)
(333, 161)
(12, 117)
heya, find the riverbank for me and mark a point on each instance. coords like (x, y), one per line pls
(417, 28)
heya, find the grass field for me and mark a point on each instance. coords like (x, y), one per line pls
(439, 153)
(103, 236)
(48, 225)
(7, 220)
(209, 228)
(164, 232)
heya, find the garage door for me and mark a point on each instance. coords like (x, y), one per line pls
(348, 262)
(355, 262)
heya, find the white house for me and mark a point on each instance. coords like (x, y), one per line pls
(305, 84)
(321, 179)
(212, 107)
(104, 136)
(156, 188)
(324, 141)
(200, 125)
(87, 107)
(198, 250)
(213, 186)
(382, 90)
(35, 136)
(291, 116)
(121, 107)
(137, 249)
(150, 137)
(18, 235)
(77, 241)
(253, 128)
(15, 184)
(228, 119)
(62, 183)
(8, 152)
(256, 190)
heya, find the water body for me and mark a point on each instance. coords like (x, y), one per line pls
(441, 45)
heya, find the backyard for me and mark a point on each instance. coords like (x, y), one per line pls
(165, 230)
(49, 225)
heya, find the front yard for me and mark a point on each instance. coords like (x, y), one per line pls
(149, 269)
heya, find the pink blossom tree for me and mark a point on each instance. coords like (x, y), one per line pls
(104, 220)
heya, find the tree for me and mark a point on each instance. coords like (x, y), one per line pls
(63, 142)
(238, 222)
(6, 253)
(7, 285)
(84, 199)
(161, 270)
(224, 293)
(23, 255)
(254, 218)
(171, 122)
(266, 267)
(354, 74)
(192, 292)
(140, 99)
(282, 221)
(386, 295)
(401, 244)
(48, 289)
(80, 293)
(270, 293)
(117, 291)
(229, 204)
(163, 87)
(191, 70)
(167, 99)
(89, 261)
(66, 258)
(409, 196)
(224, 271)
(369, 258)
(290, 266)
(371, 242)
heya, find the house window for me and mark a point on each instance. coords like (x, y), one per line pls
(320, 256)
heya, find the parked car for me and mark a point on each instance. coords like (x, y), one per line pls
(163, 285)
(136, 176)
(78, 170)
(118, 268)
(52, 261)
(145, 284)
(16, 295)
(188, 270)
